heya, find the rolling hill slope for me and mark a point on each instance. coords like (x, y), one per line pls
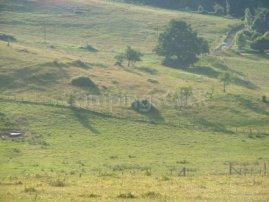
(105, 141)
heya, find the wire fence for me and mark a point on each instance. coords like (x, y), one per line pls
(120, 108)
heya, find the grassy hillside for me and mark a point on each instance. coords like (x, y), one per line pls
(107, 150)
(93, 154)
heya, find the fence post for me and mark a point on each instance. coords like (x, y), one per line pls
(230, 168)
(265, 169)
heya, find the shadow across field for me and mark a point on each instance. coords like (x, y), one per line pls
(154, 116)
(245, 83)
(212, 73)
(204, 123)
(255, 107)
(204, 71)
(83, 118)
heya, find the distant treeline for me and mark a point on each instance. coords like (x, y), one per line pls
(236, 7)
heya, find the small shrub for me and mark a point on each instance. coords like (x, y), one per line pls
(151, 194)
(148, 173)
(79, 63)
(107, 174)
(7, 38)
(83, 82)
(119, 59)
(57, 183)
(131, 156)
(165, 178)
(89, 48)
(149, 70)
(264, 99)
(90, 195)
(153, 81)
(30, 190)
(183, 162)
(142, 106)
(127, 195)
(16, 150)
(94, 195)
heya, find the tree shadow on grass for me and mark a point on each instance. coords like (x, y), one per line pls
(153, 115)
(253, 106)
(245, 83)
(212, 73)
(203, 70)
(254, 55)
(204, 123)
(83, 118)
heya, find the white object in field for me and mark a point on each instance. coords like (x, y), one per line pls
(15, 134)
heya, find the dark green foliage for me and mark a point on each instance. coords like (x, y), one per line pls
(225, 78)
(7, 38)
(142, 106)
(153, 81)
(264, 99)
(93, 195)
(128, 195)
(180, 45)
(185, 93)
(83, 82)
(132, 55)
(119, 59)
(233, 7)
(30, 190)
(261, 43)
(219, 9)
(261, 21)
(151, 194)
(86, 83)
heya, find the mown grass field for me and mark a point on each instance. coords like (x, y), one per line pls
(72, 154)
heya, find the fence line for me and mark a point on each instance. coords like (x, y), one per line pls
(104, 109)
(93, 107)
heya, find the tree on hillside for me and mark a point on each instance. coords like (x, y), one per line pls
(179, 44)
(119, 59)
(132, 55)
(185, 93)
(225, 78)
(248, 19)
